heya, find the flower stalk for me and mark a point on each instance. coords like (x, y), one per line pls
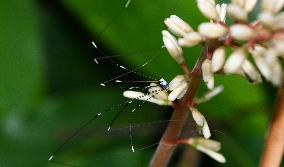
(169, 139)
(274, 145)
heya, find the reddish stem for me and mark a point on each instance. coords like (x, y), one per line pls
(169, 139)
(185, 69)
(274, 146)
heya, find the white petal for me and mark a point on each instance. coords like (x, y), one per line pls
(249, 5)
(236, 12)
(272, 6)
(242, 32)
(190, 39)
(239, 2)
(263, 67)
(276, 74)
(279, 47)
(208, 9)
(172, 46)
(212, 30)
(207, 74)
(181, 24)
(251, 72)
(218, 59)
(173, 27)
(178, 92)
(177, 26)
(222, 11)
(177, 81)
(206, 70)
(207, 143)
(271, 56)
(278, 21)
(206, 131)
(198, 117)
(217, 156)
(235, 61)
(210, 94)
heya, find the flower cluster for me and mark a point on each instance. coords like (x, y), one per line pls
(261, 39)
(252, 49)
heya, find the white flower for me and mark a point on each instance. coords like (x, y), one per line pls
(152, 97)
(235, 61)
(172, 46)
(236, 12)
(263, 66)
(242, 32)
(276, 69)
(222, 10)
(207, 146)
(208, 9)
(207, 74)
(212, 30)
(272, 6)
(177, 26)
(218, 59)
(190, 39)
(178, 87)
(201, 122)
(210, 94)
(251, 72)
(247, 5)
(266, 18)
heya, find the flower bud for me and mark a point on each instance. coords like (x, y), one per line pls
(178, 92)
(201, 122)
(266, 18)
(221, 10)
(172, 46)
(177, 26)
(247, 5)
(218, 59)
(212, 30)
(263, 67)
(207, 74)
(234, 62)
(210, 94)
(272, 6)
(208, 9)
(276, 77)
(209, 147)
(278, 21)
(251, 72)
(208, 143)
(190, 39)
(242, 32)
(217, 156)
(270, 56)
(279, 47)
(236, 12)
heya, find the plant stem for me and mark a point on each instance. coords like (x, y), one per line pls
(168, 141)
(274, 145)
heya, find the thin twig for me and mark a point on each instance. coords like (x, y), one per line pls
(274, 145)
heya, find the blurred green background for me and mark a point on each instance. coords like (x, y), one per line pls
(50, 86)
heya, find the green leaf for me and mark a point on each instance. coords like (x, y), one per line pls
(21, 55)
